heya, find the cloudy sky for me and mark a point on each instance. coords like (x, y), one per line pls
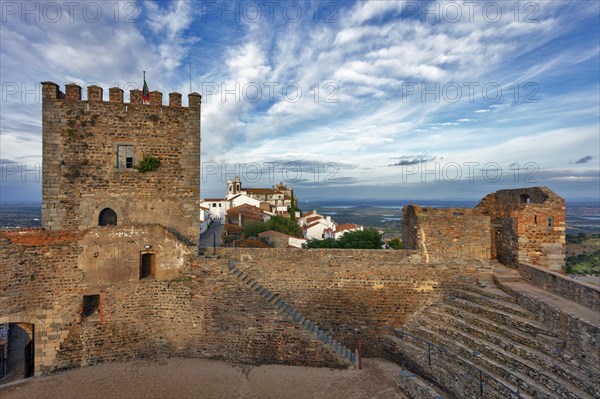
(373, 99)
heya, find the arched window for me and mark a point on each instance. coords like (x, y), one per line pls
(525, 199)
(107, 217)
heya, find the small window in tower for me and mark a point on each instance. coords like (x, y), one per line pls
(525, 199)
(147, 266)
(91, 307)
(125, 156)
(550, 222)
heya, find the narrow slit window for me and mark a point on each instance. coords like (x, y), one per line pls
(550, 222)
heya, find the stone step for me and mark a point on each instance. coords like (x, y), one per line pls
(523, 324)
(555, 364)
(537, 372)
(507, 307)
(491, 291)
(491, 366)
(549, 345)
(447, 370)
(412, 385)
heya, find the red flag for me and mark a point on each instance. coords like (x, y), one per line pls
(145, 93)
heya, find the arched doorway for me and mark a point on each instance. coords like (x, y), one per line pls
(107, 217)
(17, 351)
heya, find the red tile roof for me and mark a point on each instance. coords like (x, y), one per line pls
(262, 191)
(311, 213)
(311, 225)
(312, 219)
(269, 233)
(346, 226)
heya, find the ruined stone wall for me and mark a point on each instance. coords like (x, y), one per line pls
(562, 285)
(528, 225)
(192, 307)
(444, 235)
(354, 294)
(80, 169)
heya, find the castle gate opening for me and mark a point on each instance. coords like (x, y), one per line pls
(17, 351)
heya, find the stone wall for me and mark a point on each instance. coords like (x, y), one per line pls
(580, 336)
(191, 307)
(528, 225)
(354, 294)
(444, 235)
(566, 287)
(80, 171)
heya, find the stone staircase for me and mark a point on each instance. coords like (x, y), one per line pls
(479, 343)
(318, 332)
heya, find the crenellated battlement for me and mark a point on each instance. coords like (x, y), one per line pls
(95, 94)
(93, 148)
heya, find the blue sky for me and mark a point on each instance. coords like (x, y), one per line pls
(370, 99)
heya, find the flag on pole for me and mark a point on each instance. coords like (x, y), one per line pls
(145, 92)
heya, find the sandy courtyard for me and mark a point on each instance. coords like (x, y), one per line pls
(199, 378)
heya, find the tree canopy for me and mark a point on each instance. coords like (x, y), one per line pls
(366, 239)
(277, 223)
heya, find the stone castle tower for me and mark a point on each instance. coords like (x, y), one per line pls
(91, 150)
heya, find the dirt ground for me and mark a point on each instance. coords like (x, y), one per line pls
(200, 378)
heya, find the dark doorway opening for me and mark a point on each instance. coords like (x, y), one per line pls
(91, 307)
(17, 351)
(147, 266)
(107, 217)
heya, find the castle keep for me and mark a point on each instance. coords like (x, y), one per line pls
(91, 150)
(474, 306)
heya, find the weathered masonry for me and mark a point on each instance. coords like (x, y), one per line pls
(528, 226)
(114, 273)
(91, 149)
(520, 226)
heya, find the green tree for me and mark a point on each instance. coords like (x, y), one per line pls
(395, 243)
(278, 223)
(326, 243)
(284, 225)
(366, 239)
(253, 227)
(293, 207)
